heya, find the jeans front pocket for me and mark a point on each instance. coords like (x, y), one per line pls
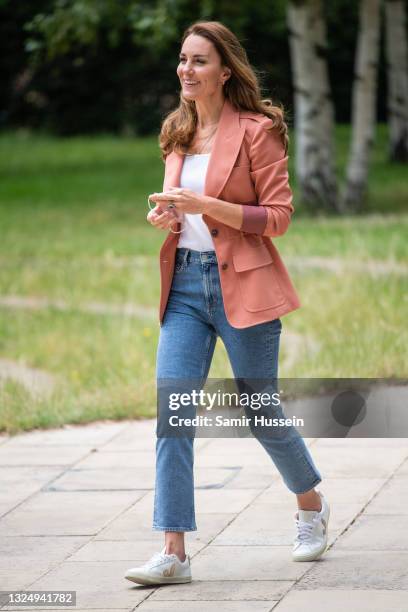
(179, 267)
(181, 260)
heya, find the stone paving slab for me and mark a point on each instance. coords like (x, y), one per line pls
(136, 526)
(354, 569)
(133, 552)
(66, 513)
(253, 477)
(97, 584)
(11, 455)
(256, 457)
(93, 434)
(125, 479)
(337, 490)
(25, 559)
(141, 435)
(245, 445)
(19, 483)
(350, 442)
(262, 524)
(15, 580)
(392, 499)
(357, 462)
(403, 470)
(26, 476)
(15, 550)
(216, 500)
(132, 435)
(247, 563)
(224, 590)
(376, 532)
(339, 601)
(118, 459)
(208, 606)
(209, 525)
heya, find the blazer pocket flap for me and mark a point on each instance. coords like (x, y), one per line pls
(255, 257)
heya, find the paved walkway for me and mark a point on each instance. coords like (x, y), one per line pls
(76, 507)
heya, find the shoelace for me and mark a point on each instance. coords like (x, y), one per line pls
(304, 530)
(157, 558)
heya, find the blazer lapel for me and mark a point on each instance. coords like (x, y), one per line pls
(227, 143)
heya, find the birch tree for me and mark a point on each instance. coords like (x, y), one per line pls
(363, 105)
(397, 75)
(314, 113)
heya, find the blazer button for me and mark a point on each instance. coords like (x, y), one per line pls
(224, 266)
(214, 232)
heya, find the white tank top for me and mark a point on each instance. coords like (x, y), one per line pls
(196, 234)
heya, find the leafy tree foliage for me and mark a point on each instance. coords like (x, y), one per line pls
(75, 66)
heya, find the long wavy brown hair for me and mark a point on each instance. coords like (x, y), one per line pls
(242, 89)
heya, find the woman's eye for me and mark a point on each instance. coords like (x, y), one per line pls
(182, 61)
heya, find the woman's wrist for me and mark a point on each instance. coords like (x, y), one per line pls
(206, 204)
(225, 212)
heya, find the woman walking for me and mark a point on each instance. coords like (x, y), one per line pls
(225, 194)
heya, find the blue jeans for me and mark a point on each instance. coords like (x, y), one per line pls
(193, 319)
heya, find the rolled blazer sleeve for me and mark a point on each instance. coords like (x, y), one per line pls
(269, 173)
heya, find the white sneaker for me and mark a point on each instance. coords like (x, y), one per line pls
(161, 569)
(312, 532)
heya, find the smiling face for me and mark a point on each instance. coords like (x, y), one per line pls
(200, 70)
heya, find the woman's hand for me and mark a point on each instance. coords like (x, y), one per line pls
(185, 200)
(162, 219)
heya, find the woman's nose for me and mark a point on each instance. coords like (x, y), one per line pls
(187, 68)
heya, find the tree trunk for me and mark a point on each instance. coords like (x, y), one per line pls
(397, 74)
(364, 105)
(314, 113)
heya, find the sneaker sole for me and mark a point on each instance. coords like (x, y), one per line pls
(313, 556)
(156, 581)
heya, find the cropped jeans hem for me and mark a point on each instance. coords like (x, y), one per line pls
(312, 486)
(158, 528)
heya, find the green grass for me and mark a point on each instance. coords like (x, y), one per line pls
(72, 218)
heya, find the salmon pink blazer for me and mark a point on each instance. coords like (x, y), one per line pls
(247, 166)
